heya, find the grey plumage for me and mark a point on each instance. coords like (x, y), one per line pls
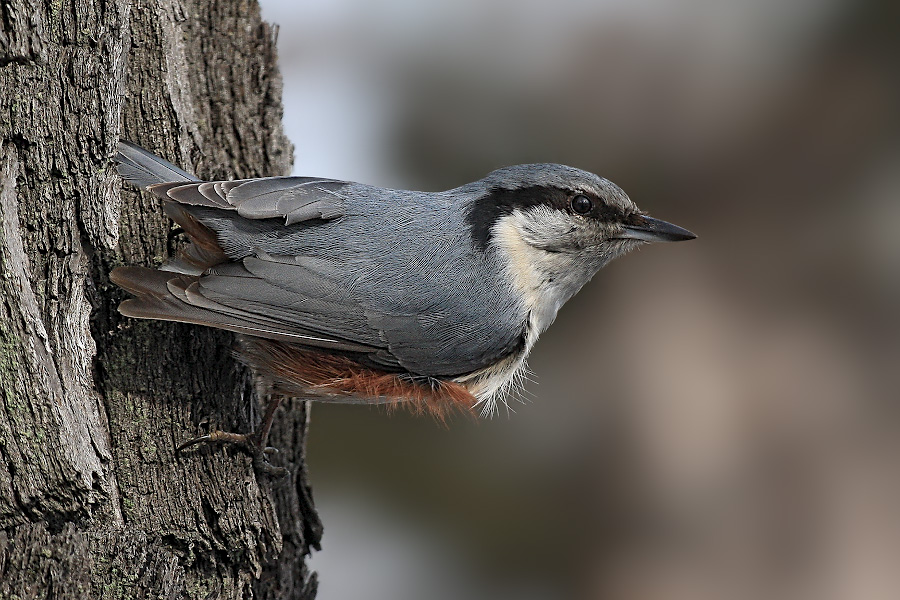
(423, 283)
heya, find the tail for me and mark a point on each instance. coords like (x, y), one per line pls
(142, 168)
(146, 170)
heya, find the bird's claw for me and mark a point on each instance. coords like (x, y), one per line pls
(249, 443)
(261, 464)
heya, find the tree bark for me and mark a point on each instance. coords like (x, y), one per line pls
(94, 500)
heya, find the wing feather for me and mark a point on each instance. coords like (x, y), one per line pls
(164, 296)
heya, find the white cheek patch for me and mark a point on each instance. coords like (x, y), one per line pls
(542, 227)
(533, 271)
(544, 277)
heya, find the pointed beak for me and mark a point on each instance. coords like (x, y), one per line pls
(648, 229)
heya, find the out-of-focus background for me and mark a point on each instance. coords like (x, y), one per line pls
(710, 420)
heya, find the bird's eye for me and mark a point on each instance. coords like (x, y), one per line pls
(582, 204)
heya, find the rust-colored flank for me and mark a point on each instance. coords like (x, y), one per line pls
(298, 371)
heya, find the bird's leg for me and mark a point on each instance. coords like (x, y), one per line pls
(253, 443)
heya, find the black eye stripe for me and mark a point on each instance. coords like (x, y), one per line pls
(485, 210)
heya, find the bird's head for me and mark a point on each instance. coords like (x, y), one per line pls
(555, 226)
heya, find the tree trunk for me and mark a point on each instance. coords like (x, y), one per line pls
(94, 500)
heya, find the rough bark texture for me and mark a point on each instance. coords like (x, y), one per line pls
(94, 501)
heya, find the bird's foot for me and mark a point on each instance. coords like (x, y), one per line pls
(251, 443)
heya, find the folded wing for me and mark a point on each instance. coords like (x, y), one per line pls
(306, 300)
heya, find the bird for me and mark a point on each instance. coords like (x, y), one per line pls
(347, 292)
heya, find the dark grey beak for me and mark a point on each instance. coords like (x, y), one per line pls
(654, 230)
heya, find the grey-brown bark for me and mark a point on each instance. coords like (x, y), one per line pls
(94, 501)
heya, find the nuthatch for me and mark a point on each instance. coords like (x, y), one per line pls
(353, 293)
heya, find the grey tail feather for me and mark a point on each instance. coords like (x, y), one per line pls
(142, 168)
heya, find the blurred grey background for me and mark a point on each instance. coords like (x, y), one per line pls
(714, 419)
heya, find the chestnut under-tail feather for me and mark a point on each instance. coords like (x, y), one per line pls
(295, 370)
(203, 252)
